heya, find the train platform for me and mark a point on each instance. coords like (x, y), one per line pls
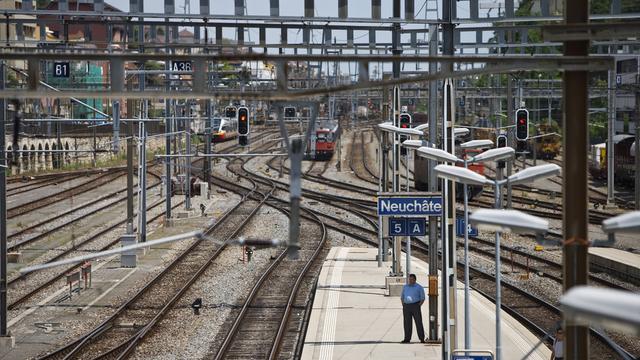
(352, 318)
(616, 262)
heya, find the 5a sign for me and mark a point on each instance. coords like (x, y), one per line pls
(181, 66)
(61, 69)
(407, 227)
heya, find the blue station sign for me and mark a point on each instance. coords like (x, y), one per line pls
(473, 231)
(410, 204)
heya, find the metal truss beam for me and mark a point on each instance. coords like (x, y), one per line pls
(513, 60)
(509, 64)
(510, 18)
(231, 18)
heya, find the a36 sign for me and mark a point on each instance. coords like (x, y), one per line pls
(181, 66)
(61, 69)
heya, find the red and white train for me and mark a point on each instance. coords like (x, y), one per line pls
(323, 144)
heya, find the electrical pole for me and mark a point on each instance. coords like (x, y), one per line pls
(167, 143)
(142, 178)
(637, 152)
(510, 141)
(449, 249)
(575, 189)
(433, 187)
(611, 131)
(130, 151)
(208, 125)
(396, 51)
(187, 167)
(3, 210)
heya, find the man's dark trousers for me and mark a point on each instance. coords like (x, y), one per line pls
(412, 311)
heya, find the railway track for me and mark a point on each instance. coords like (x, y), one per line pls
(27, 286)
(530, 262)
(41, 183)
(36, 204)
(148, 306)
(261, 325)
(16, 237)
(525, 310)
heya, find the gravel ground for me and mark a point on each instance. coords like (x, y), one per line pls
(42, 276)
(222, 287)
(541, 286)
(74, 326)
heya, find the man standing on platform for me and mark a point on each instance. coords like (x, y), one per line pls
(412, 298)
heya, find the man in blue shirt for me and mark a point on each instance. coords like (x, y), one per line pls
(412, 298)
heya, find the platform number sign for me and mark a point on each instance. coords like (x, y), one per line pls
(472, 231)
(181, 66)
(397, 227)
(61, 69)
(407, 227)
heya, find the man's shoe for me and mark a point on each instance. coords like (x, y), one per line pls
(422, 341)
(404, 341)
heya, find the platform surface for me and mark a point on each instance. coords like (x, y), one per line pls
(353, 319)
(625, 258)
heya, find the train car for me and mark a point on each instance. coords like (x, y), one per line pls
(224, 129)
(472, 190)
(546, 147)
(324, 145)
(624, 160)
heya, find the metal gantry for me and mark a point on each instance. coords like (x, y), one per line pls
(386, 42)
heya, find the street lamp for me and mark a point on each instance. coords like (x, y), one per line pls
(629, 222)
(510, 219)
(453, 172)
(390, 128)
(615, 310)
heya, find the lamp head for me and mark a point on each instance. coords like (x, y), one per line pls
(460, 174)
(533, 173)
(437, 154)
(509, 220)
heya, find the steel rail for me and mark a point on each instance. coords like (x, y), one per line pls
(17, 302)
(132, 343)
(63, 195)
(18, 244)
(75, 346)
(277, 342)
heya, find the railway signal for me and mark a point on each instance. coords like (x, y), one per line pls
(522, 124)
(243, 126)
(230, 112)
(501, 141)
(290, 112)
(405, 123)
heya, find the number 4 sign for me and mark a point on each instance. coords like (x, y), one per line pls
(460, 228)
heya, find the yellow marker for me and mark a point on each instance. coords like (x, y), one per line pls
(538, 248)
